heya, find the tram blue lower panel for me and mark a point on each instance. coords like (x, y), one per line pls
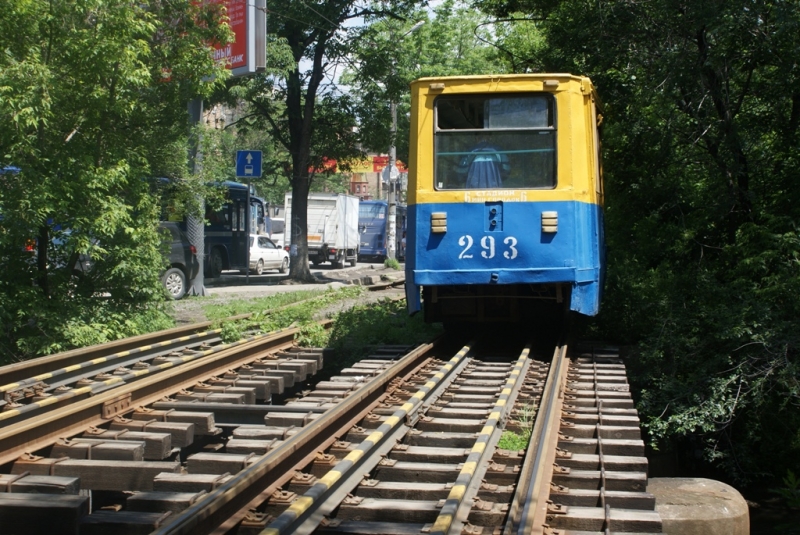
(500, 242)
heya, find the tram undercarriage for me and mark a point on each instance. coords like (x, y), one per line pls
(513, 303)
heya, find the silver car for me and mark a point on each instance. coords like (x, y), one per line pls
(265, 254)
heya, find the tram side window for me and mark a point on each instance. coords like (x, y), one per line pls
(491, 141)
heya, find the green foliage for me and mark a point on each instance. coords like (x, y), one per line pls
(312, 335)
(232, 331)
(87, 113)
(518, 441)
(455, 40)
(97, 322)
(701, 145)
(790, 492)
(391, 263)
(279, 311)
(219, 147)
(512, 441)
(260, 305)
(360, 328)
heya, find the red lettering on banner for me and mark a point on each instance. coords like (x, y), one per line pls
(234, 54)
(379, 163)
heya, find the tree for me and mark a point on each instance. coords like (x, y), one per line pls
(93, 99)
(454, 40)
(299, 102)
(701, 144)
(219, 147)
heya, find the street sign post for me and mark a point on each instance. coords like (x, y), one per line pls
(248, 163)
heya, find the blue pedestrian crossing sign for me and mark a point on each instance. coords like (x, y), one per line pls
(248, 163)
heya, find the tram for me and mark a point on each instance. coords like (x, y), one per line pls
(505, 197)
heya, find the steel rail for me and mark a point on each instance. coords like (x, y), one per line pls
(20, 371)
(466, 477)
(25, 370)
(234, 497)
(35, 433)
(529, 506)
(107, 359)
(306, 507)
(119, 380)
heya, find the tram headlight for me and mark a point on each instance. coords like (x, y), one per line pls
(438, 222)
(550, 222)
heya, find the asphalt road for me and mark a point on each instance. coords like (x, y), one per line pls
(233, 282)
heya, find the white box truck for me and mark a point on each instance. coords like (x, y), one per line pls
(332, 228)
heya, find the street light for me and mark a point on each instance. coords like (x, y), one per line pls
(390, 172)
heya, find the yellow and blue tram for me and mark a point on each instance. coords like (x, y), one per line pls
(505, 198)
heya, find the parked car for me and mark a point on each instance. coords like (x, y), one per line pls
(265, 254)
(183, 263)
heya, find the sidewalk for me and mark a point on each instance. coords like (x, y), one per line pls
(234, 284)
(231, 287)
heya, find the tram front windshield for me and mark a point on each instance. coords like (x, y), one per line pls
(493, 142)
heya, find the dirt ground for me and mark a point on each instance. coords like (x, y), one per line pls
(232, 287)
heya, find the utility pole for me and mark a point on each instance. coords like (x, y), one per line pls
(391, 173)
(195, 224)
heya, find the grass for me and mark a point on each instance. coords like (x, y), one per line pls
(268, 314)
(358, 330)
(259, 305)
(391, 263)
(519, 441)
(354, 333)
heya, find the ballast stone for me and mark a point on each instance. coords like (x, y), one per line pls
(697, 506)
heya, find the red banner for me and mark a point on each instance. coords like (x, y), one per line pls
(379, 163)
(234, 54)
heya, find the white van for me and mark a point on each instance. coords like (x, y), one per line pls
(275, 228)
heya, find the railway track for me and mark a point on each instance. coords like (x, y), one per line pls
(28, 389)
(247, 441)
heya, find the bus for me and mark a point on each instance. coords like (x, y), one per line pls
(373, 226)
(226, 231)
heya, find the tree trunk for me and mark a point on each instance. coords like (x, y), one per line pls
(300, 110)
(299, 267)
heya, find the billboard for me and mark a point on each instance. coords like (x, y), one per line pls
(380, 162)
(247, 54)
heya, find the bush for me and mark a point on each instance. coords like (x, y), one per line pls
(358, 330)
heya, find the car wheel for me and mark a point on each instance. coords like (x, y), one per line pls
(174, 282)
(284, 266)
(215, 264)
(259, 267)
(339, 263)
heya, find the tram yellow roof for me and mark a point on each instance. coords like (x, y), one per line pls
(506, 82)
(579, 175)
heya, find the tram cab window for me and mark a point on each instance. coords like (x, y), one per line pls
(495, 141)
